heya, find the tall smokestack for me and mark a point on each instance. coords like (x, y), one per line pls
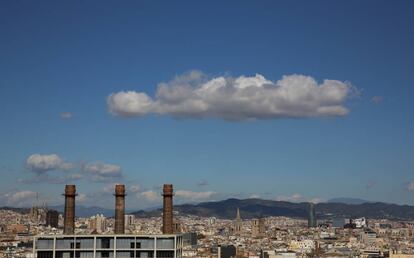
(69, 216)
(119, 209)
(167, 218)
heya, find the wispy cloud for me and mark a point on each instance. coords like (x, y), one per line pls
(102, 172)
(377, 99)
(194, 95)
(18, 198)
(296, 197)
(370, 184)
(66, 115)
(202, 183)
(151, 196)
(186, 195)
(410, 186)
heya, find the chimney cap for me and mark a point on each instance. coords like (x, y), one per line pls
(70, 190)
(120, 189)
(168, 189)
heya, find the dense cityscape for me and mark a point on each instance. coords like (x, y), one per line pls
(199, 236)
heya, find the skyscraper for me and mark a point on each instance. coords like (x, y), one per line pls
(312, 216)
(52, 218)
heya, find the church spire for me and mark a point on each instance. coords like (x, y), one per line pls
(238, 214)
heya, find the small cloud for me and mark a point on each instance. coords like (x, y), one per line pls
(81, 198)
(134, 188)
(377, 99)
(66, 115)
(296, 197)
(75, 176)
(18, 198)
(194, 196)
(151, 196)
(202, 183)
(254, 196)
(102, 172)
(370, 185)
(42, 163)
(410, 186)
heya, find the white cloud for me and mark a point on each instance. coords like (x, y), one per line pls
(73, 177)
(81, 198)
(134, 188)
(151, 196)
(202, 182)
(377, 99)
(42, 163)
(410, 186)
(192, 95)
(254, 196)
(66, 115)
(296, 197)
(103, 170)
(194, 196)
(18, 198)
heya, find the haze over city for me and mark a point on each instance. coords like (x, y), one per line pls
(298, 101)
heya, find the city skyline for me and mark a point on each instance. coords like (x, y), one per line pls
(292, 101)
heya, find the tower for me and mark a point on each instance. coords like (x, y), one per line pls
(238, 223)
(167, 217)
(69, 216)
(312, 216)
(119, 209)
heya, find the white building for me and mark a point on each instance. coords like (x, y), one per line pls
(129, 221)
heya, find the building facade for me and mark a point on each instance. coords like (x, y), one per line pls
(312, 222)
(108, 246)
(52, 218)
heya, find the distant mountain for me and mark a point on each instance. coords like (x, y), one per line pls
(253, 208)
(347, 200)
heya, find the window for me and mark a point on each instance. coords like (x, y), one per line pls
(44, 254)
(124, 254)
(87, 254)
(64, 254)
(44, 243)
(104, 243)
(144, 254)
(104, 254)
(165, 243)
(84, 243)
(125, 243)
(165, 254)
(145, 243)
(65, 243)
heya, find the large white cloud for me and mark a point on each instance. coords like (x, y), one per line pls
(42, 163)
(193, 95)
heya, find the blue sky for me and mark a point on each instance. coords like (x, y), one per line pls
(95, 93)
